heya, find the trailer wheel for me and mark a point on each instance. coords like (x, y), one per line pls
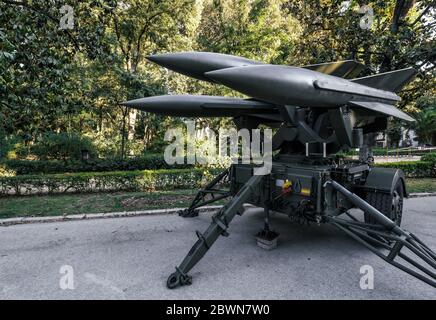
(391, 205)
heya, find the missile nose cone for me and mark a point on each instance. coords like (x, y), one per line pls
(167, 60)
(196, 64)
(133, 103)
(151, 58)
(271, 83)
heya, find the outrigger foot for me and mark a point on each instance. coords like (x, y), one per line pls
(178, 279)
(188, 213)
(267, 239)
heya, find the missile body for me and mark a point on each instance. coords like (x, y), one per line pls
(285, 85)
(196, 64)
(321, 85)
(200, 106)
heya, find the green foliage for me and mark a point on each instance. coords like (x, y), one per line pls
(425, 125)
(5, 171)
(149, 162)
(62, 146)
(6, 145)
(413, 169)
(401, 36)
(62, 80)
(430, 157)
(262, 29)
(39, 61)
(146, 180)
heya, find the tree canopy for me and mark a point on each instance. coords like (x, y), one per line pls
(71, 79)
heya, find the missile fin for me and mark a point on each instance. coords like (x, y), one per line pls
(348, 87)
(347, 69)
(386, 109)
(389, 81)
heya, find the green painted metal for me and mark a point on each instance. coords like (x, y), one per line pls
(318, 111)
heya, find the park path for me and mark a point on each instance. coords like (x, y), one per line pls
(130, 258)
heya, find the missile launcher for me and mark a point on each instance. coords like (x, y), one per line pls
(318, 110)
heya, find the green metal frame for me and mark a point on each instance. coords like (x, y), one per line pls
(386, 239)
(215, 194)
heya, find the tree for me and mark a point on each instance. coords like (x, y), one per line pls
(37, 59)
(425, 125)
(400, 36)
(142, 27)
(262, 30)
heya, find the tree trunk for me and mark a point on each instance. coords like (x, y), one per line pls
(132, 123)
(133, 113)
(123, 133)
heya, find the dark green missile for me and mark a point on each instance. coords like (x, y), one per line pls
(201, 106)
(196, 64)
(283, 85)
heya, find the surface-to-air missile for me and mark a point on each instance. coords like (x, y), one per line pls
(317, 110)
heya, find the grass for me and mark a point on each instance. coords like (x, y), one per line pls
(421, 185)
(37, 206)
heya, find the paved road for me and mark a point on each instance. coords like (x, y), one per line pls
(130, 258)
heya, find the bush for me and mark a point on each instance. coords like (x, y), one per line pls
(391, 152)
(146, 180)
(9, 146)
(149, 162)
(413, 169)
(62, 146)
(431, 157)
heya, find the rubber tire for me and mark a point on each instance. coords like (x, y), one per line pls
(391, 205)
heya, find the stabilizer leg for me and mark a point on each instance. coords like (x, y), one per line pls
(390, 239)
(219, 225)
(210, 191)
(267, 238)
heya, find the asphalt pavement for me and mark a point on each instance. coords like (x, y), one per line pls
(131, 258)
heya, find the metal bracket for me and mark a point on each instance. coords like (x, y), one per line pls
(210, 191)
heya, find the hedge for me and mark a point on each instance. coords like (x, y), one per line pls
(149, 162)
(413, 169)
(146, 180)
(429, 157)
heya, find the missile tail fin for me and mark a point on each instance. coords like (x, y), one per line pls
(389, 81)
(383, 108)
(345, 69)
